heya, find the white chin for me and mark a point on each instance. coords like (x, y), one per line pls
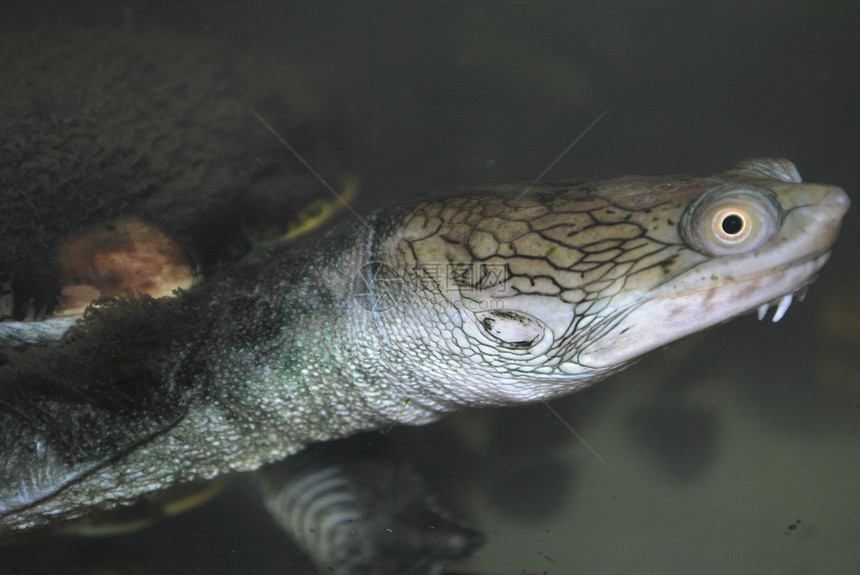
(667, 317)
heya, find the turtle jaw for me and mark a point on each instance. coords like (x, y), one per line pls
(664, 319)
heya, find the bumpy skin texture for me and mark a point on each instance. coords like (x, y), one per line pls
(497, 295)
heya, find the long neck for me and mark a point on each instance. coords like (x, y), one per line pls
(148, 393)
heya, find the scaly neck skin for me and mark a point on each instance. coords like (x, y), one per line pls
(338, 360)
(401, 341)
(241, 373)
(362, 345)
(370, 346)
(358, 351)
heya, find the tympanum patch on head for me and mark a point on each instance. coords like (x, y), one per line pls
(511, 329)
(128, 256)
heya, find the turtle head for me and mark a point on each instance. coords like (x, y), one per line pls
(513, 293)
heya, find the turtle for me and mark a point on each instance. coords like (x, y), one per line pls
(150, 172)
(486, 295)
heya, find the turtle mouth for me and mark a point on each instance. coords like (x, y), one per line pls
(836, 203)
(667, 317)
(782, 303)
(801, 274)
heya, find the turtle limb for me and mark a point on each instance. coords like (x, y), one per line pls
(355, 510)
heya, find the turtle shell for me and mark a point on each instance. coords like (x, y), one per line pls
(138, 162)
(135, 162)
(127, 156)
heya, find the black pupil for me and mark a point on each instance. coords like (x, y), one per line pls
(733, 224)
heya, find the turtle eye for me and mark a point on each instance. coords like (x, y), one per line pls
(730, 225)
(731, 220)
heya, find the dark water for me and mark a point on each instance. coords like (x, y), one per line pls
(736, 452)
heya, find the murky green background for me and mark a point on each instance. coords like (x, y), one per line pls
(736, 452)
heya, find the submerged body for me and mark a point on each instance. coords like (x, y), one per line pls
(495, 295)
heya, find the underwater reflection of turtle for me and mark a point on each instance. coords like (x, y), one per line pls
(506, 293)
